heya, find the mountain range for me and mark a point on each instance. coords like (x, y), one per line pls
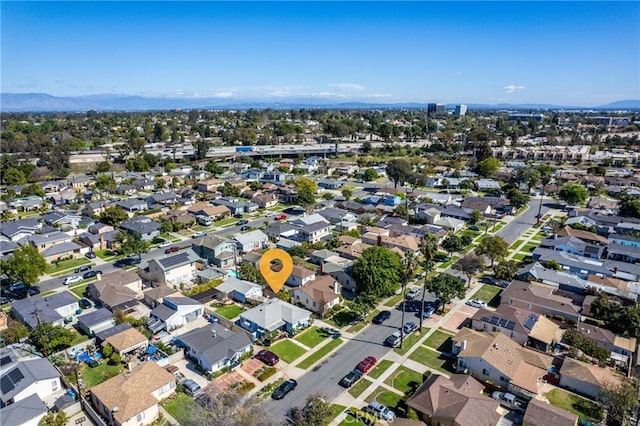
(42, 102)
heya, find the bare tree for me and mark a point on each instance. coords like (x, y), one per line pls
(228, 409)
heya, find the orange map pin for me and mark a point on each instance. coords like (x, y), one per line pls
(276, 265)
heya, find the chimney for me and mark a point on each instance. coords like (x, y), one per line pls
(379, 243)
(322, 267)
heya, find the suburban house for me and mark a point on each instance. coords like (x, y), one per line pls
(539, 298)
(586, 378)
(154, 296)
(174, 312)
(26, 412)
(458, 401)
(116, 289)
(94, 209)
(621, 348)
(174, 269)
(127, 341)
(579, 265)
(541, 413)
(562, 280)
(239, 290)
(278, 230)
(142, 227)
(573, 245)
(133, 205)
(217, 251)
(25, 378)
(274, 315)
(494, 357)
(319, 295)
(164, 198)
(235, 205)
(252, 240)
(300, 276)
(264, 201)
(61, 217)
(51, 309)
(203, 208)
(96, 321)
(131, 399)
(524, 327)
(215, 347)
(315, 232)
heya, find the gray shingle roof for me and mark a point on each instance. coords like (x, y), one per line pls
(23, 375)
(23, 411)
(96, 317)
(215, 342)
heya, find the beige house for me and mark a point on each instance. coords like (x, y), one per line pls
(131, 399)
(206, 209)
(586, 379)
(541, 413)
(116, 288)
(265, 200)
(539, 298)
(494, 357)
(127, 341)
(455, 401)
(319, 295)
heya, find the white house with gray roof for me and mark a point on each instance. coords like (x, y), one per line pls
(174, 269)
(18, 229)
(252, 240)
(215, 347)
(26, 412)
(240, 290)
(174, 312)
(142, 227)
(33, 377)
(274, 315)
(51, 309)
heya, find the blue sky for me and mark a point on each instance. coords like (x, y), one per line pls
(570, 53)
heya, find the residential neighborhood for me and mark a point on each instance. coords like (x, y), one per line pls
(503, 283)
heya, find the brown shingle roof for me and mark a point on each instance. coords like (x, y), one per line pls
(588, 372)
(131, 392)
(540, 413)
(568, 231)
(125, 340)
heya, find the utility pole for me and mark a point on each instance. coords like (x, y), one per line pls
(45, 350)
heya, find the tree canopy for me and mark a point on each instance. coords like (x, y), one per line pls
(573, 194)
(51, 339)
(517, 198)
(399, 170)
(132, 244)
(446, 287)
(113, 216)
(306, 191)
(488, 167)
(378, 272)
(470, 265)
(494, 247)
(26, 264)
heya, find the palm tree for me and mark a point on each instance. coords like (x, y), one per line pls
(410, 266)
(428, 248)
(546, 173)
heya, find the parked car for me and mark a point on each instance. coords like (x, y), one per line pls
(474, 228)
(409, 327)
(284, 389)
(244, 228)
(71, 279)
(164, 244)
(33, 290)
(381, 317)
(242, 222)
(91, 274)
(172, 250)
(428, 311)
(269, 214)
(238, 215)
(200, 234)
(504, 397)
(477, 303)
(380, 411)
(413, 293)
(4, 300)
(84, 304)
(350, 378)
(191, 388)
(393, 340)
(267, 357)
(366, 364)
(332, 332)
(82, 268)
(90, 255)
(281, 217)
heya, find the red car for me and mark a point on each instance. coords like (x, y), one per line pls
(366, 364)
(281, 217)
(268, 357)
(172, 250)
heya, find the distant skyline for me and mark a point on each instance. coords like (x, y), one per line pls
(569, 53)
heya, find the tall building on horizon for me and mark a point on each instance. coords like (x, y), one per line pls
(461, 110)
(435, 110)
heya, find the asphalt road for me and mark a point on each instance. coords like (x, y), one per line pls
(514, 230)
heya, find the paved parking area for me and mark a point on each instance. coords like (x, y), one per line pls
(189, 371)
(457, 320)
(223, 382)
(252, 365)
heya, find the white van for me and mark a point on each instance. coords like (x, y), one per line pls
(381, 411)
(504, 397)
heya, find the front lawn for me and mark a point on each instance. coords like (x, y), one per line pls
(65, 265)
(287, 350)
(489, 294)
(80, 290)
(410, 341)
(520, 256)
(430, 358)
(439, 341)
(312, 337)
(385, 397)
(97, 375)
(448, 263)
(404, 379)
(394, 300)
(584, 408)
(230, 311)
(380, 368)
(530, 247)
(517, 244)
(179, 405)
(360, 386)
(227, 221)
(320, 353)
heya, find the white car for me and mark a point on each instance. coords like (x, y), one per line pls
(413, 293)
(164, 244)
(270, 214)
(72, 279)
(477, 303)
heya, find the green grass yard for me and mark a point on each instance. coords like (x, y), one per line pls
(312, 337)
(520, 256)
(433, 359)
(385, 397)
(66, 265)
(287, 350)
(230, 311)
(439, 341)
(404, 379)
(380, 368)
(97, 375)
(394, 300)
(584, 408)
(80, 290)
(359, 387)
(488, 293)
(530, 247)
(179, 405)
(516, 244)
(320, 353)
(409, 342)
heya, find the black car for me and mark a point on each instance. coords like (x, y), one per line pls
(84, 303)
(4, 300)
(242, 222)
(34, 290)
(284, 389)
(245, 228)
(351, 377)
(90, 255)
(90, 274)
(381, 317)
(238, 215)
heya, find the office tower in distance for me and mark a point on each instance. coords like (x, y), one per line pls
(461, 110)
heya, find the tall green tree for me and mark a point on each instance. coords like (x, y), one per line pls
(475, 216)
(452, 243)
(49, 339)
(132, 244)
(620, 399)
(314, 413)
(517, 198)
(399, 170)
(428, 250)
(54, 419)
(488, 167)
(573, 194)
(378, 272)
(494, 247)
(306, 191)
(546, 175)
(505, 270)
(113, 216)
(470, 265)
(446, 287)
(26, 265)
